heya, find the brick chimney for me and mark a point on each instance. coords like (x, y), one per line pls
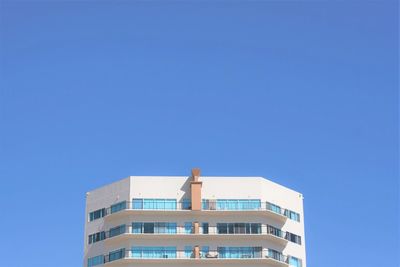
(195, 189)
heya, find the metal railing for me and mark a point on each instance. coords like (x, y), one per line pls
(207, 205)
(238, 229)
(181, 254)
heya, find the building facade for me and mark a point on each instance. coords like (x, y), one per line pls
(182, 221)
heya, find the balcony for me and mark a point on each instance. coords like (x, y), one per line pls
(137, 209)
(264, 231)
(210, 207)
(127, 256)
(249, 207)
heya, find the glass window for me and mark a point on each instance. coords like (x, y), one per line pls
(222, 228)
(148, 228)
(170, 252)
(293, 261)
(204, 251)
(171, 228)
(293, 238)
(274, 231)
(274, 208)
(249, 204)
(97, 214)
(186, 204)
(240, 228)
(239, 252)
(209, 204)
(275, 255)
(292, 215)
(137, 228)
(188, 227)
(204, 204)
(248, 228)
(95, 261)
(255, 228)
(188, 252)
(154, 204)
(160, 228)
(255, 204)
(235, 204)
(116, 254)
(231, 228)
(117, 230)
(154, 252)
(137, 203)
(205, 227)
(119, 206)
(170, 204)
(149, 204)
(137, 252)
(96, 237)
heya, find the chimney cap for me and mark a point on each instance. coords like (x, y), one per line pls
(196, 174)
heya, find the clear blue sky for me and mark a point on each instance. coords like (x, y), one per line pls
(301, 92)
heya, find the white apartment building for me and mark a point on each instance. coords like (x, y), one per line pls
(196, 220)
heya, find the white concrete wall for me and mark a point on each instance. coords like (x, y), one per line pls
(179, 188)
(102, 197)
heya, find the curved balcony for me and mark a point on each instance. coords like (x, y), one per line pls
(126, 232)
(209, 207)
(127, 256)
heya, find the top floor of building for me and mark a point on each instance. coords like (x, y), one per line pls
(195, 193)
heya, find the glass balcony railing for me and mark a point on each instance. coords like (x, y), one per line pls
(168, 228)
(207, 205)
(222, 253)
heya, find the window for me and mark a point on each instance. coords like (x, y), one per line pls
(275, 255)
(137, 203)
(208, 204)
(97, 214)
(154, 227)
(96, 237)
(255, 228)
(171, 228)
(186, 204)
(238, 228)
(295, 262)
(205, 227)
(222, 228)
(116, 254)
(248, 228)
(137, 228)
(95, 261)
(154, 252)
(160, 228)
(159, 204)
(293, 238)
(119, 206)
(154, 204)
(148, 228)
(239, 252)
(238, 204)
(274, 208)
(188, 252)
(119, 230)
(204, 251)
(292, 215)
(274, 231)
(188, 227)
(231, 228)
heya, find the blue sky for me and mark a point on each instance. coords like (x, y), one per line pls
(301, 92)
